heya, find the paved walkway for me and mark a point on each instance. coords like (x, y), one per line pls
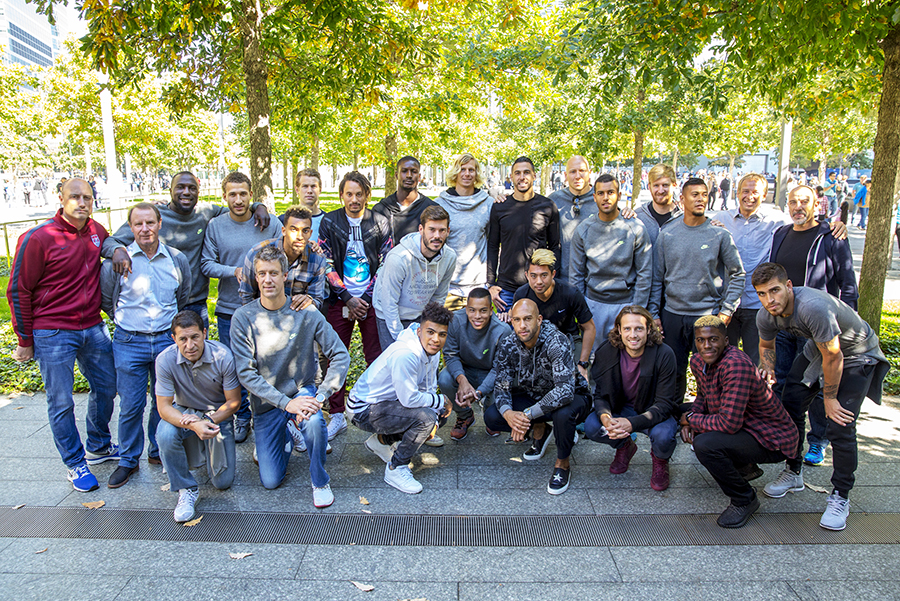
(478, 476)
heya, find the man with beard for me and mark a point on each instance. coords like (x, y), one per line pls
(469, 208)
(691, 258)
(403, 208)
(663, 208)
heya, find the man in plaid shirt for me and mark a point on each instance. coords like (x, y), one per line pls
(735, 420)
(305, 281)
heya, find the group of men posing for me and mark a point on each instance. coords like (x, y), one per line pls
(552, 313)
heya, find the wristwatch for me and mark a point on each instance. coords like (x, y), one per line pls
(584, 364)
(320, 398)
(208, 417)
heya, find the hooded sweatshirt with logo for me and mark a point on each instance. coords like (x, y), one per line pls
(469, 217)
(402, 372)
(407, 281)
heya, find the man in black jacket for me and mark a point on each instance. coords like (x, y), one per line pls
(403, 208)
(634, 376)
(354, 241)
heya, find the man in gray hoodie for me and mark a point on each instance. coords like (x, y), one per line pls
(415, 273)
(612, 259)
(469, 207)
(468, 357)
(575, 206)
(700, 269)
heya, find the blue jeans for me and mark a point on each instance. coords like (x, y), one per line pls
(787, 347)
(135, 357)
(56, 352)
(507, 297)
(449, 387)
(243, 414)
(662, 435)
(201, 310)
(863, 215)
(272, 439)
(171, 448)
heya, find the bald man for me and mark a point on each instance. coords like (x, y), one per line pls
(575, 203)
(54, 298)
(549, 389)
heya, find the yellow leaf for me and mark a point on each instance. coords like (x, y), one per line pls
(165, 487)
(239, 555)
(94, 504)
(363, 587)
(17, 408)
(815, 488)
(363, 501)
(193, 522)
(19, 506)
(41, 551)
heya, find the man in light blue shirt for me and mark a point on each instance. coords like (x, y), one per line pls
(142, 305)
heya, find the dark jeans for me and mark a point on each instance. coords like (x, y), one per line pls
(564, 419)
(722, 453)
(243, 414)
(201, 310)
(662, 435)
(411, 426)
(679, 335)
(743, 327)
(787, 347)
(368, 330)
(449, 387)
(855, 382)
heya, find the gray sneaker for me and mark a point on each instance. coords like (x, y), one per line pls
(786, 482)
(835, 516)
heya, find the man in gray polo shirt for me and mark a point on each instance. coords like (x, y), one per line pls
(274, 349)
(197, 393)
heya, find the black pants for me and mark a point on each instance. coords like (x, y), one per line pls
(564, 420)
(721, 454)
(855, 382)
(743, 327)
(679, 335)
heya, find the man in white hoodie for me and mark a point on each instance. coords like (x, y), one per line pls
(415, 272)
(396, 398)
(469, 207)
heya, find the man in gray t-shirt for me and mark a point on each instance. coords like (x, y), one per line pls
(197, 394)
(842, 357)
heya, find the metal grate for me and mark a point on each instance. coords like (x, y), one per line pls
(442, 530)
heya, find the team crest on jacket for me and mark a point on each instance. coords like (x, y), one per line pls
(96, 240)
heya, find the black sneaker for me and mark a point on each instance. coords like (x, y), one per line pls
(121, 476)
(750, 472)
(735, 517)
(538, 446)
(559, 481)
(241, 431)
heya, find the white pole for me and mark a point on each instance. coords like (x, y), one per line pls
(113, 177)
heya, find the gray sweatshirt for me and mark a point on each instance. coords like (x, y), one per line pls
(407, 281)
(469, 347)
(226, 244)
(612, 262)
(568, 222)
(275, 356)
(469, 217)
(700, 268)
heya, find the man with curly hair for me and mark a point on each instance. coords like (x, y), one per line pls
(634, 377)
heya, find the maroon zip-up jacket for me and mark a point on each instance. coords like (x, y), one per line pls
(55, 279)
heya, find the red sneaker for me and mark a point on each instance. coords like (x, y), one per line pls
(660, 479)
(461, 429)
(623, 457)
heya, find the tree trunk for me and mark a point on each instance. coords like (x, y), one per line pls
(637, 169)
(295, 198)
(546, 170)
(731, 191)
(334, 174)
(675, 160)
(256, 76)
(285, 175)
(314, 157)
(885, 171)
(355, 160)
(390, 171)
(822, 169)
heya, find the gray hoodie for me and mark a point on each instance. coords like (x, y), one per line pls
(407, 281)
(469, 217)
(469, 347)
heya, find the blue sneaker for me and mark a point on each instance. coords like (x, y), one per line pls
(111, 454)
(815, 455)
(82, 479)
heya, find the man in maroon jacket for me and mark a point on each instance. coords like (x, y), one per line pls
(54, 297)
(736, 420)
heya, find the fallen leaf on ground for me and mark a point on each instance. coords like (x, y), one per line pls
(94, 504)
(19, 506)
(17, 408)
(41, 551)
(194, 522)
(165, 487)
(366, 511)
(816, 488)
(363, 587)
(239, 555)
(363, 501)
(416, 599)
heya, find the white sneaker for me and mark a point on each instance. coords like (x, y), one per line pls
(184, 510)
(402, 479)
(383, 451)
(787, 481)
(435, 441)
(337, 425)
(323, 497)
(835, 516)
(296, 436)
